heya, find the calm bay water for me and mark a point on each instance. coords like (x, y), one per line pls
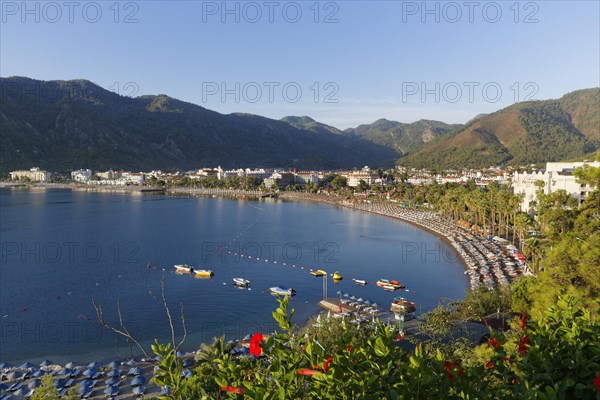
(60, 249)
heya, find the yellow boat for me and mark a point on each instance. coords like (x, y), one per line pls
(337, 276)
(203, 272)
(318, 272)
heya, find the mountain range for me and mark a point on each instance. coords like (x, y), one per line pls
(65, 125)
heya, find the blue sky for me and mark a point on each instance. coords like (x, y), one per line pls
(358, 62)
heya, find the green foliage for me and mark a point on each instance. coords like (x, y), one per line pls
(554, 357)
(47, 391)
(169, 370)
(80, 124)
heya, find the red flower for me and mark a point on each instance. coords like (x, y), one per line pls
(489, 365)
(306, 371)
(597, 383)
(349, 347)
(399, 337)
(493, 343)
(522, 321)
(233, 389)
(450, 367)
(255, 348)
(507, 359)
(523, 345)
(326, 364)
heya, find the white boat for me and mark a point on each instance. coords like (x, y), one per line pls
(361, 282)
(282, 291)
(183, 268)
(241, 282)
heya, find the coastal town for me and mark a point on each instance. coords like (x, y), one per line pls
(523, 180)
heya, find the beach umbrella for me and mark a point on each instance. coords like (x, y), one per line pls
(112, 381)
(130, 362)
(94, 365)
(353, 298)
(19, 392)
(139, 390)
(360, 300)
(367, 302)
(186, 373)
(111, 391)
(15, 386)
(158, 358)
(138, 381)
(346, 295)
(180, 354)
(34, 384)
(3, 386)
(112, 364)
(187, 363)
(113, 373)
(64, 371)
(71, 365)
(5, 365)
(27, 365)
(46, 363)
(135, 371)
(59, 383)
(165, 390)
(11, 375)
(89, 373)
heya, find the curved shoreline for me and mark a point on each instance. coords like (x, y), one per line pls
(487, 263)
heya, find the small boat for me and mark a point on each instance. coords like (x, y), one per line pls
(241, 282)
(318, 272)
(337, 276)
(389, 288)
(390, 285)
(183, 268)
(282, 291)
(383, 282)
(204, 272)
(397, 284)
(361, 282)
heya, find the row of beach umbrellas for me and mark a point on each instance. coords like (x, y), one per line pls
(358, 300)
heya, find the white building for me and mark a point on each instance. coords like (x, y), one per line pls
(34, 174)
(353, 178)
(135, 178)
(81, 175)
(557, 176)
